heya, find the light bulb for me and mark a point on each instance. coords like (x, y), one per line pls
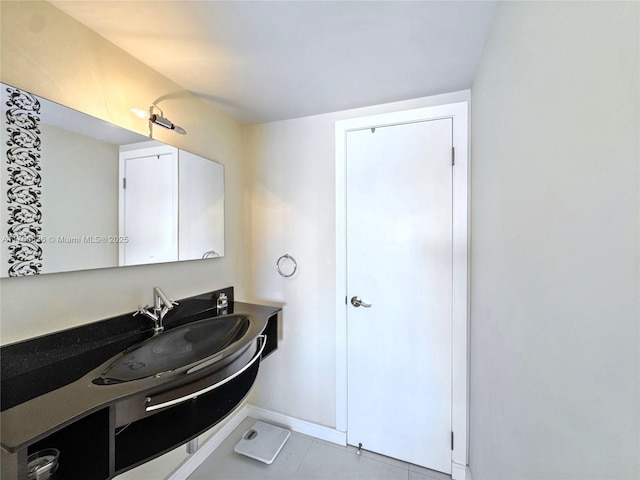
(141, 113)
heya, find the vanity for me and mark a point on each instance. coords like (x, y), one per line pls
(74, 390)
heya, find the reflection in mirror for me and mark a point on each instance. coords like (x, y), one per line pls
(168, 200)
(66, 205)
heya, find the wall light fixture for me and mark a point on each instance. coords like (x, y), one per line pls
(156, 119)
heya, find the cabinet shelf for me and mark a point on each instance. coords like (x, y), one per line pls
(83, 445)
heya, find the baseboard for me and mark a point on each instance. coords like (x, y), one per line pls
(301, 426)
(231, 423)
(460, 472)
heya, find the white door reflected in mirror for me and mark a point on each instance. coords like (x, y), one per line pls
(171, 206)
(149, 206)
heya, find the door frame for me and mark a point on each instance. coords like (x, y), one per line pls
(459, 113)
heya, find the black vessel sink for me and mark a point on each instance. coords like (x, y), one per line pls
(187, 348)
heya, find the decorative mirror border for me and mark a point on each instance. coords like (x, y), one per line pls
(24, 181)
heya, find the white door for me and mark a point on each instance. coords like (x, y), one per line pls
(149, 206)
(399, 260)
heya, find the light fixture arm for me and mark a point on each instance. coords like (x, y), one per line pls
(160, 119)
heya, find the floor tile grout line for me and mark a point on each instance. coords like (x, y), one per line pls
(393, 462)
(404, 468)
(313, 440)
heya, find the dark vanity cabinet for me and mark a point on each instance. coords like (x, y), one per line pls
(146, 438)
(101, 438)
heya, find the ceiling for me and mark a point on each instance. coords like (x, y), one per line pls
(261, 61)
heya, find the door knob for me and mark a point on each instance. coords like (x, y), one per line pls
(356, 302)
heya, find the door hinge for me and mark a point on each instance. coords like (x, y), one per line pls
(451, 440)
(453, 155)
(124, 183)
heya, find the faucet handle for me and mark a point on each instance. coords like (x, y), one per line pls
(140, 310)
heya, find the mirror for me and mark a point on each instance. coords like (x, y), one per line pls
(80, 193)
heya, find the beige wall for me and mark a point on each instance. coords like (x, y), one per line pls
(48, 53)
(555, 287)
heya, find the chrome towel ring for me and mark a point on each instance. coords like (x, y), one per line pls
(279, 265)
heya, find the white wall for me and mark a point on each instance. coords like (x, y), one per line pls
(291, 178)
(555, 368)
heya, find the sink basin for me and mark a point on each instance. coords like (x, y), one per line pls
(187, 348)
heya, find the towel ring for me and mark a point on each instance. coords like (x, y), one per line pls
(286, 256)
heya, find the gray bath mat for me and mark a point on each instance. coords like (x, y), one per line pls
(262, 442)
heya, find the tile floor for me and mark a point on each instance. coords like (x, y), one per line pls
(306, 458)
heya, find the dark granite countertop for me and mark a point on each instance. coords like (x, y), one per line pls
(46, 381)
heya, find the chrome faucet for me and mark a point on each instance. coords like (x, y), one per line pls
(161, 305)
